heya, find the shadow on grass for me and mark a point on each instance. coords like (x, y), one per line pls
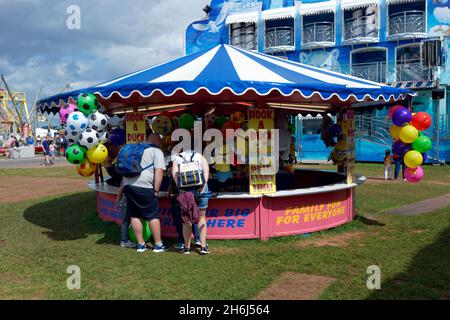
(427, 277)
(369, 222)
(72, 217)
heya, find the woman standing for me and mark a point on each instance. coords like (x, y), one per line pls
(201, 194)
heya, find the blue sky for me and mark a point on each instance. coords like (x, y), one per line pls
(116, 37)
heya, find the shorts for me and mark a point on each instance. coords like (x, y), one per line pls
(202, 199)
(141, 203)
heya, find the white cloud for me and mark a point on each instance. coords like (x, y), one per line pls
(116, 37)
(442, 15)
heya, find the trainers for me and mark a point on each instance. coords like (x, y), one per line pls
(204, 250)
(128, 244)
(186, 251)
(179, 246)
(160, 248)
(141, 248)
(198, 243)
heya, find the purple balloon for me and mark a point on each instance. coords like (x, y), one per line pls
(401, 117)
(117, 137)
(399, 148)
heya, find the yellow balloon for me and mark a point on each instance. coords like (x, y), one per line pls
(86, 168)
(413, 159)
(97, 154)
(395, 131)
(408, 134)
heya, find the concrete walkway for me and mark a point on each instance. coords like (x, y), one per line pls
(29, 163)
(424, 206)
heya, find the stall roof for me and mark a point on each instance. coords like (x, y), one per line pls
(229, 74)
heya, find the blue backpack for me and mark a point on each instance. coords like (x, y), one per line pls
(129, 160)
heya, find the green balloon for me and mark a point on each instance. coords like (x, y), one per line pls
(76, 154)
(186, 121)
(146, 233)
(87, 103)
(220, 121)
(422, 144)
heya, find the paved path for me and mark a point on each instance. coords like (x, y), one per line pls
(424, 206)
(29, 163)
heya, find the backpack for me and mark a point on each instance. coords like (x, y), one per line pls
(190, 173)
(129, 160)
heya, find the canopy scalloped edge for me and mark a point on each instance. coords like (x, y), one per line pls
(50, 104)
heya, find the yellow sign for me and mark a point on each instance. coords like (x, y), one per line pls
(262, 175)
(135, 127)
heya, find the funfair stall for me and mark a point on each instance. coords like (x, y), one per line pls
(229, 88)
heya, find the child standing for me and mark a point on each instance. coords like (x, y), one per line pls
(387, 165)
(52, 153)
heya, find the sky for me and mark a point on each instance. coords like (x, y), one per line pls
(116, 37)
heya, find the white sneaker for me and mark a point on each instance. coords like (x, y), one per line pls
(128, 244)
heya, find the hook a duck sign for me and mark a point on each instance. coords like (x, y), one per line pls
(135, 127)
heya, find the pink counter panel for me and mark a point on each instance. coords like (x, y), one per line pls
(247, 217)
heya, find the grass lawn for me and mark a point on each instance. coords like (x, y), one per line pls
(40, 238)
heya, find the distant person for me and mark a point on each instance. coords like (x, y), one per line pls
(30, 140)
(399, 163)
(39, 140)
(64, 145)
(57, 145)
(46, 146)
(1, 141)
(141, 194)
(52, 148)
(387, 165)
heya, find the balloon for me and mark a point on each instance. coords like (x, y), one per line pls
(65, 111)
(220, 121)
(422, 144)
(393, 109)
(162, 125)
(335, 131)
(87, 103)
(413, 159)
(186, 121)
(97, 154)
(76, 154)
(117, 137)
(399, 148)
(401, 117)
(395, 132)
(146, 233)
(421, 121)
(414, 175)
(86, 169)
(237, 117)
(408, 134)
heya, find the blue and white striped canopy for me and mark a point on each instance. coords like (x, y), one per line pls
(227, 73)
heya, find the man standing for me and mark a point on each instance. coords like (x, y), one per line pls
(141, 193)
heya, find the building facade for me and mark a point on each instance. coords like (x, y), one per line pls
(404, 43)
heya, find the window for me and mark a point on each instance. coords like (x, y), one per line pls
(279, 34)
(244, 35)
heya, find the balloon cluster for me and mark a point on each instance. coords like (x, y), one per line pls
(410, 143)
(86, 132)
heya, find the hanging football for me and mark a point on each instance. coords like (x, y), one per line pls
(75, 154)
(89, 138)
(86, 169)
(77, 121)
(71, 136)
(87, 103)
(98, 121)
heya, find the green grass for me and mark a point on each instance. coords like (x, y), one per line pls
(39, 239)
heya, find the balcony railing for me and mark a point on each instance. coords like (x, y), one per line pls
(407, 22)
(279, 37)
(245, 41)
(411, 70)
(372, 71)
(318, 32)
(361, 28)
